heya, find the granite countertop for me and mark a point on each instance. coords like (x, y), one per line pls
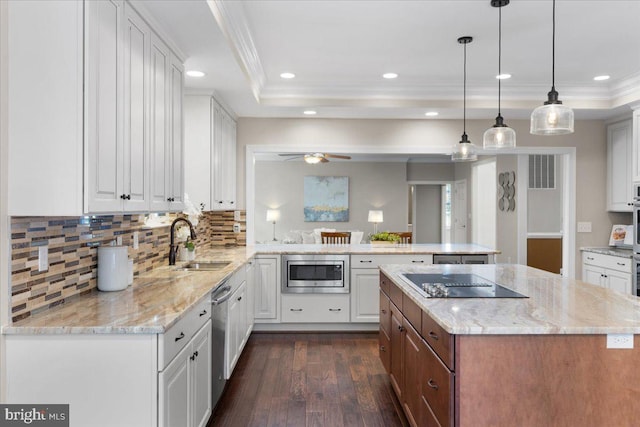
(369, 249)
(556, 305)
(611, 250)
(153, 303)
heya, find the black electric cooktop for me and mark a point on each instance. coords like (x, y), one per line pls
(458, 286)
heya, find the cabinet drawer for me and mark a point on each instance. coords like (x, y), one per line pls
(385, 284)
(178, 335)
(607, 261)
(440, 340)
(315, 308)
(437, 386)
(375, 261)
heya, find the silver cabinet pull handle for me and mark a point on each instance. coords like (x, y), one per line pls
(431, 383)
(433, 335)
(382, 348)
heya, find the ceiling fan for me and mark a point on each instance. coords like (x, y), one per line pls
(314, 158)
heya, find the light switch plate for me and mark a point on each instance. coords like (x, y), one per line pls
(136, 243)
(43, 258)
(584, 227)
(236, 215)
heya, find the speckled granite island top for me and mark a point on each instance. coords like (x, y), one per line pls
(154, 302)
(369, 249)
(556, 305)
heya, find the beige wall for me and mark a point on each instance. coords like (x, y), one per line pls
(507, 221)
(423, 135)
(378, 186)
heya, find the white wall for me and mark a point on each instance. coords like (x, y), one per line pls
(378, 186)
(545, 206)
(427, 226)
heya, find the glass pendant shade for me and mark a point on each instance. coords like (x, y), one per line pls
(499, 136)
(464, 151)
(552, 119)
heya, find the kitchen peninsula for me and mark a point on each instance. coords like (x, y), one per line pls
(543, 360)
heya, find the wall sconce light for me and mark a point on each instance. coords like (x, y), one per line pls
(375, 217)
(273, 215)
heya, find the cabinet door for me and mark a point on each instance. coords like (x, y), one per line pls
(618, 281)
(103, 96)
(175, 391)
(250, 268)
(202, 376)
(413, 360)
(223, 159)
(619, 164)
(136, 88)
(365, 295)
(217, 156)
(235, 329)
(160, 138)
(592, 274)
(197, 141)
(397, 350)
(267, 289)
(636, 146)
(175, 167)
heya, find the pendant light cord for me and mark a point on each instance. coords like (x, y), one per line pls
(553, 49)
(464, 93)
(499, 56)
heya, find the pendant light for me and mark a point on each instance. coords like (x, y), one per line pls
(464, 151)
(499, 135)
(552, 118)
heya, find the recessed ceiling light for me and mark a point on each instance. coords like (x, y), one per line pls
(431, 113)
(195, 73)
(309, 113)
(600, 78)
(287, 75)
(503, 76)
(390, 75)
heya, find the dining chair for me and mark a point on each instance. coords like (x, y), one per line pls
(336, 237)
(405, 236)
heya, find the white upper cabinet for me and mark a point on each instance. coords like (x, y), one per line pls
(92, 147)
(619, 166)
(166, 128)
(210, 140)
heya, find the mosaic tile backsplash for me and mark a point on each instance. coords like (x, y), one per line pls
(73, 254)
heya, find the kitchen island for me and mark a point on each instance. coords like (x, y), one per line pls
(541, 360)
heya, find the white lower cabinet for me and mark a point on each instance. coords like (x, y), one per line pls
(236, 321)
(250, 271)
(365, 281)
(608, 271)
(267, 289)
(315, 308)
(185, 384)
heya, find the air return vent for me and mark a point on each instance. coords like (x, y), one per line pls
(542, 171)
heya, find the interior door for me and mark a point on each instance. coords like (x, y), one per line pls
(460, 211)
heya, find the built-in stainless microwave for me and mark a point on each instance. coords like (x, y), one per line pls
(310, 273)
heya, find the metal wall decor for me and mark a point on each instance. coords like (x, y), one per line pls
(507, 191)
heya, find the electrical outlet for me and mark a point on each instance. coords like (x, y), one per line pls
(119, 240)
(619, 340)
(236, 215)
(136, 242)
(236, 227)
(43, 258)
(584, 227)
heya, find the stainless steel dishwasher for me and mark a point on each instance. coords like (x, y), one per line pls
(219, 307)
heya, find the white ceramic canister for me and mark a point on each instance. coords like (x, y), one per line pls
(113, 268)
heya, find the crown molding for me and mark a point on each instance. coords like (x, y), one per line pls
(232, 21)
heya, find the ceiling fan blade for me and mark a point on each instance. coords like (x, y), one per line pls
(324, 160)
(291, 154)
(337, 156)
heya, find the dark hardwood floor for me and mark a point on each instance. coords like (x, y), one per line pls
(309, 379)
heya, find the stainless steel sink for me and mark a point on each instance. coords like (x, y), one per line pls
(204, 265)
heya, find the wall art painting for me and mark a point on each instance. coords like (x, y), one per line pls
(326, 198)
